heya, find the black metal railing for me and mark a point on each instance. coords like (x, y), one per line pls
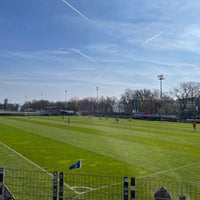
(17, 184)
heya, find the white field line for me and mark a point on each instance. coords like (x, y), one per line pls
(95, 189)
(168, 170)
(42, 169)
(31, 162)
(20, 155)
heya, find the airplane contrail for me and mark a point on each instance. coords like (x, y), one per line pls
(145, 42)
(82, 15)
(84, 55)
(96, 80)
(151, 38)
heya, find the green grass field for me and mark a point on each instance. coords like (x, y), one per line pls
(136, 148)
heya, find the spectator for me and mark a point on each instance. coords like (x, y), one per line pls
(182, 197)
(162, 194)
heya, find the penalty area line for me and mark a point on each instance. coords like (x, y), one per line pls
(168, 170)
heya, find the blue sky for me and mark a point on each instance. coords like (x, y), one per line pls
(49, 46)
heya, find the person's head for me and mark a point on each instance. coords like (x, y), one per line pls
(163, 191)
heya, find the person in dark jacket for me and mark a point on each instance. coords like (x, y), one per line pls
(162, 194)
(182, 197)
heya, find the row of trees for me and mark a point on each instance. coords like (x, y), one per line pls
(180, 100)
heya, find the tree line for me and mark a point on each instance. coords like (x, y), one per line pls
(181, 100)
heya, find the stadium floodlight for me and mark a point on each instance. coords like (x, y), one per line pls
(97, 89)
(41, 100)
(161, 78)
(65, 99)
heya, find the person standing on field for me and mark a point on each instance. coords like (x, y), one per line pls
(194, 125)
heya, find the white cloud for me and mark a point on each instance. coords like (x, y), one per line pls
(123, 47)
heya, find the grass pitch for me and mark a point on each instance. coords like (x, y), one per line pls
(136, 148)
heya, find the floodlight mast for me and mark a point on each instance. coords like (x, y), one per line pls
(161, 78)
(65, 99)
(41, 100)
(97, 89)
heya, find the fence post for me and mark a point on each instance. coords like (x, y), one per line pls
(1, 184)
(125, 188)
(55, 185)
(132, 188)
(61, 186)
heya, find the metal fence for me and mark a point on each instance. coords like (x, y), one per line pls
(78, 186)
(27, 184)
(146, 188)
(35, 185)
(19, 184)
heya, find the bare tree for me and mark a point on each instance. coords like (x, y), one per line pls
(185, 94)
(88, 105)
(168, 105)
(147, 100)
(127, 101)
(106, 105)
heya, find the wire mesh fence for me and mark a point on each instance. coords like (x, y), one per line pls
(93, 187)
(27, 184)
(145, 189)
(31, 185)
